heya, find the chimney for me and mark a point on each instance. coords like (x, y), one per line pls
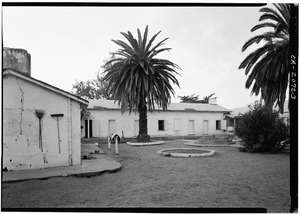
(212, 101)
(17, 59)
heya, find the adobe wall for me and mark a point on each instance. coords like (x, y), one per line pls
(17, 59)
(25, 145)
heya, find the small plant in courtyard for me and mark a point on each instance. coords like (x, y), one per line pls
(262, 130)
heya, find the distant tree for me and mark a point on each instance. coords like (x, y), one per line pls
(189, 99)
(96, 88)
(206, 98)
(194, 99)
(92, 89)
(139, 80)
(269, 65)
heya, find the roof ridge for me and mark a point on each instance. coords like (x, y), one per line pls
(10, 71)
(112, 104)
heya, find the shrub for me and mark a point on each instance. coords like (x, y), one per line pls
(261, 130)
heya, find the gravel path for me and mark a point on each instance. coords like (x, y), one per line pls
(227, 179)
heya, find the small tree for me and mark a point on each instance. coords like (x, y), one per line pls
(262, 130)
(92, 89)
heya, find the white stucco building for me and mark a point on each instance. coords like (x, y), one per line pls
(32, 137)
(181, 119)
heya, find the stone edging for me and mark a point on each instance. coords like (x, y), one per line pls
(174, 154)
(206, 145)
(193, 143)
(146, 143)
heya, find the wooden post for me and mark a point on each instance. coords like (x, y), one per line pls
(108, 141)
(116, 144)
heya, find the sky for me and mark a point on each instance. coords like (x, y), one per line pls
(71, 43)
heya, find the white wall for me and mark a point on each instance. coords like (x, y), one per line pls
(21, 127)
(176, 123)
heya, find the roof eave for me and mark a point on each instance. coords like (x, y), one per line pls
(107, 109)
(9, 71)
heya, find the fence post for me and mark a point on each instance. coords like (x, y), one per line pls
(108, 141)
(116, 144)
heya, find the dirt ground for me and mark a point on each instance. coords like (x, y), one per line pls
(228, 179)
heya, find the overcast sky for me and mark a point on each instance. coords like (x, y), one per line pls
(70, 43)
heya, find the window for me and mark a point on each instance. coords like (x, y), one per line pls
(161, 125)
(218, 124)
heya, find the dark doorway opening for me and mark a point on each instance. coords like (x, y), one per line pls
(91, 128)
(86, 128)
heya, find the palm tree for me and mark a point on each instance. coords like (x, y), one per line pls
(268, 66)
(138, 80)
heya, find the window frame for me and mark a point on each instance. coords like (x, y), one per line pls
(218, 125)
(161, 125)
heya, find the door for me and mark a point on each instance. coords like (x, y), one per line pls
(223, 124)
(111, 126)
(96, 128)
(205, 126)
(136, 127)
(191, 127)
(91, 128)
(86, 129)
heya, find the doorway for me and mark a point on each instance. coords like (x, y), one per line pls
(205, 127)
(88, 124)
(191, 127)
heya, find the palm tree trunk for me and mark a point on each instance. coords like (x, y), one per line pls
(143, 124)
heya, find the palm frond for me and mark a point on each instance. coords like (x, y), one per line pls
(257, 39)
(262, 25)
(150, 42)
(145, 38)
(136, 77)
(284, 10)
(267, 66)
(272, 12)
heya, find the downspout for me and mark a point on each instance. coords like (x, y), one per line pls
(70, 130)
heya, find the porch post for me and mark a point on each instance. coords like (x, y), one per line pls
(234, 123)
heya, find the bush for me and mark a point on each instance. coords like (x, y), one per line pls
(261, 130)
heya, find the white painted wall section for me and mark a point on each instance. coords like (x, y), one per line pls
(21, 136)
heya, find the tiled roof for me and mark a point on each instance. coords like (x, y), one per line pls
(237, 111)
(111, 104)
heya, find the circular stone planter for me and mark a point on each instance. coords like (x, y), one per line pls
(196, 143)
(146, 143)
(186, 152)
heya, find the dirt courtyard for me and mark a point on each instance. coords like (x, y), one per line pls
(227, 179)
